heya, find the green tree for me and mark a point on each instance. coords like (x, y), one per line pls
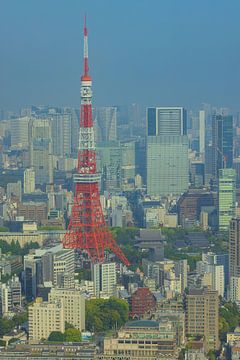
(72, 335)
(103, 315)
(56, 336)
(5, 326)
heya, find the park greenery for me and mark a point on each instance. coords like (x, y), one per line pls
(125, 238)
(105, 314)
(229, 319)
(14, 247)
(71, 334)
(7, 325)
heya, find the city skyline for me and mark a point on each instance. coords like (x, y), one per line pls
(179, 54)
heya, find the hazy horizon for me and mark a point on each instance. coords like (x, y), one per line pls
(148, 51)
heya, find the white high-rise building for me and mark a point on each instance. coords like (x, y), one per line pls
(105, 279)
(73, 305)
(45, 317)
(5, 299)
(216, 273)
(202, 124)
(29, 181)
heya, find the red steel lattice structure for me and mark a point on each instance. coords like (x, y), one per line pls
(87, 229)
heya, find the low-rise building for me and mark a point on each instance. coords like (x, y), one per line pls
(144, 340)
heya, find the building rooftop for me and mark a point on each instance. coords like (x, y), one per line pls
(142, 324)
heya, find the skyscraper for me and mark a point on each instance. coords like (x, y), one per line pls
(167, 151)
(106, 123)
(166, 121)
(61, 133)
(109, 163)
(19, 132)
(226, 197)
(222, 142)
(202, 125)
(234, 247)
(41, 150)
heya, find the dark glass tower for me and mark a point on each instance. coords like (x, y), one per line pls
(222, 143)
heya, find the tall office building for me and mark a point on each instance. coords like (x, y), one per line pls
(41, 150)
(181, 270)
(234, 260)
(234, 247)
(44, 318)
(46, 265)
(166, 121)
(202, 125)
(106, 123)
(128, 161)
(61, 133)
(226, 197)
(202, 316)
(29, 181)
(73, 305)
(167, 151)
(104, 277)
(109, 164)
(19, 132)
(222, 143)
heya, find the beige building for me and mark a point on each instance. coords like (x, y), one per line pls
(144, 340)
(73, 305)
(45, 317)
(202, 316)
(233, 336)
(32, 235)
(29, 181)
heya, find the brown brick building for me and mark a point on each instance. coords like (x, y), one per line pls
(33, 211)
(141, 301)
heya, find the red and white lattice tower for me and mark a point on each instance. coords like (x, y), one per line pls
(87, 229)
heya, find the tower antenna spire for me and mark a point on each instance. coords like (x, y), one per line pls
(86, 66)
(87, 229)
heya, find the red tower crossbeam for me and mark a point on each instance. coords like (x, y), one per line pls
(87, 229)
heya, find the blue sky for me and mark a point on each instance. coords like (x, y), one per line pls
(153, 52)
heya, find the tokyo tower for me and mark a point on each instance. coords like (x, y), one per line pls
(87, 229)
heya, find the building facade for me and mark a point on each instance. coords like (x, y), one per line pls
(41, 159)
(202, 308)
(73, 305)
(45, 317)
(226, 197)
(167, 151)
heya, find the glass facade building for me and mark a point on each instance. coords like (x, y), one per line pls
(167, 151)
(226, 197)
(167, 165)
(222, 143)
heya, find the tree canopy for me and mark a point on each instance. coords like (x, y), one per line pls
(14, 247)
(70, 335)
(103, 315)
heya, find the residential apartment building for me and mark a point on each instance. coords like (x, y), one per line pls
(202, 318)
(73, 305)
(45, 317)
